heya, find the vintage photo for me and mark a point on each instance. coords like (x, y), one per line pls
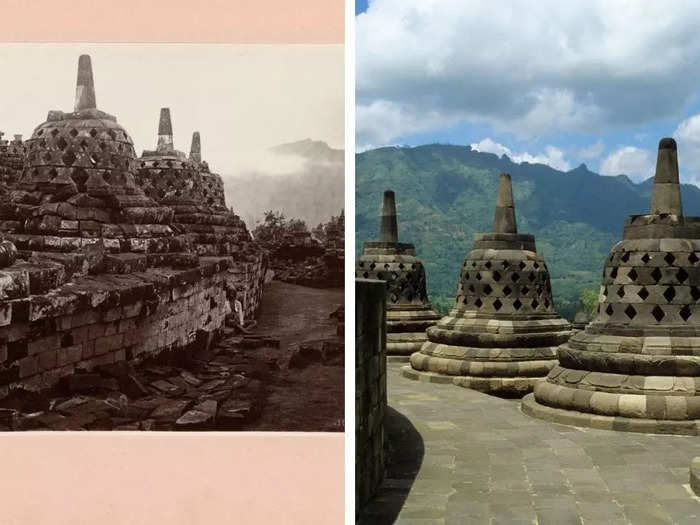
(172, 225)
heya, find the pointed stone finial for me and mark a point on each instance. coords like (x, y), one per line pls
(196, 149)
(504, 217)
(390, 230)
(85, 86)
(666, 197)
(165, 131)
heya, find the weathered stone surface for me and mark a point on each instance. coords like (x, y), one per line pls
(502, 332)
(409, 312)
(643, 348)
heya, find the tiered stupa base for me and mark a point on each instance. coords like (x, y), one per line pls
(503, 357)
(629, 395)
(406, 328)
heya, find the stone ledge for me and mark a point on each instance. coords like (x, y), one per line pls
(502, 386)
(695, 475)
(532, 408)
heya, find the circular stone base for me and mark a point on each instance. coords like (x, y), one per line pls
(397, 358)
(502, 386)
(695, 475)
(403, 344)
(531, 407)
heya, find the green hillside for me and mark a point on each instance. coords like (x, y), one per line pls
(447, 193)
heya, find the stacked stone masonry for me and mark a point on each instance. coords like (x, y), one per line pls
(409, 312)
(370, 387)
(502, 333)
(93, 269)
(636, 367)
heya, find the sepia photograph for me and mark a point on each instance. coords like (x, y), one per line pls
(172, 224)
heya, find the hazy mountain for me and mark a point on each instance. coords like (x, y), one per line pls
(447, 193)
(303, 179)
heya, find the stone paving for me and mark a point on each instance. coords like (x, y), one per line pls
(459, 456)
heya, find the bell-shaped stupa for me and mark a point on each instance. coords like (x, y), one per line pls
(636, 367)
(502, 333)
(408, 311)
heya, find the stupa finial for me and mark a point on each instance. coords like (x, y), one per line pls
(666, 197)
(390, 230)
(504, 216)
(196, 148)
(165, 131)
(85, 85)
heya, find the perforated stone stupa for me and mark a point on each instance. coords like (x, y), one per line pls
(408, 312)
(636, 367)
(502, 333)
(93, 270)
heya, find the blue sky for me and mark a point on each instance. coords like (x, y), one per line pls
(598, 82)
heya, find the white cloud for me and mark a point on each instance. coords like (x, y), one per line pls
(533, 68)
(636, 163)
(687, 136)
(591, 152)
(552, 156)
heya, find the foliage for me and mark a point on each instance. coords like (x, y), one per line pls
(275, 226)
(447, 193)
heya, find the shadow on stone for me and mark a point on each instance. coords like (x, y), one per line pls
(404, 456)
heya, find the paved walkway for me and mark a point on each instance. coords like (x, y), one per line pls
(458, 457)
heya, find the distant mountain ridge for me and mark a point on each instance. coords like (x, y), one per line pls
(313, 190)
(446, 193)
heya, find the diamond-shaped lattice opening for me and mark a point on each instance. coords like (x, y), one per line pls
(613, 273)
(532, 276)
(380, 275)
(487, 289)
(505, 264)
(73, 132)
(609, 310)
(621, 291)
(625, 257)
(47, 156)
(61, 143)
(478, 276)
(669, 258)
(658, 313)
(643, 293)
(113, 134)
(515, 277)
(632, 274)
(536, 265)
(386, 266)
(685, 312)
(478, 303)
(646, 258)
(546, 303)
(84, 145)
(522, 265)
(54, 132)
(93, 133)
(466, 276)
(488, 264)
(517, 304)
(656, 274)
(361, 264)
(692, 258)
(372, 266)
(670, 293)
(681, 275)
(539, 290)
(365, 275)
(464, 300)
(68, 158)
(695, 292)
(506, 290)
(40, 133)
(535, 303)
(630, 311)
(496, 276)
(471, 288)
(524, 290)
(473, 265)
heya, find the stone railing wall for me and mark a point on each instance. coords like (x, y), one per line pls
(370, 387)
(52, 322)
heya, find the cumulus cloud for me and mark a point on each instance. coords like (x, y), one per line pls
(533, 68)
(552, 156)
(636, 163)
(687, 136)
(591, 152)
